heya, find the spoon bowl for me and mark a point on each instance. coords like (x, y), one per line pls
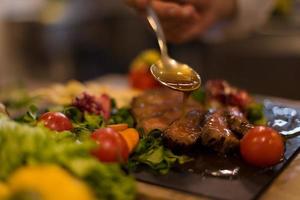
(167, 71)
(175, 75)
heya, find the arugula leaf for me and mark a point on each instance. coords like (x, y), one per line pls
(83, 122)
(88, 125)
(30, 117)
(121, 115)
(73, 114)
(152, 153)
(113, 103)
(84, 119)
(255, 114)
(92, 121)
(199, 95)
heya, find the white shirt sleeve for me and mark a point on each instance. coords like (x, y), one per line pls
(251, 15)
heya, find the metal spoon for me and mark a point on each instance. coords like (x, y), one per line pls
(168, 71)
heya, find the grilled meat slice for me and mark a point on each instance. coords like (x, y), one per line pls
(157, 109)
(162, 109)
(186, 130)
(160, 122)
(237, 121)
(216, 134)
(155, 103)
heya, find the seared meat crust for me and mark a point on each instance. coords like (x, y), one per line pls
(216, 134)
(155, 103)
(163, 109)
(157, 109)
(160, 122)
(237, 121)
(186, 130)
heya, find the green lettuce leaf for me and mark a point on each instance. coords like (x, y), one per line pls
(152, 153)
(255, 114)
(121, 115)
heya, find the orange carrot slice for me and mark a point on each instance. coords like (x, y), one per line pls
(118, 127)
(131, 136)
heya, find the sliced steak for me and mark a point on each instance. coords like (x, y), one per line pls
(237, 121)
(186, 130)
(157, 109)
(216, 134)
(155, 103)
(162, 109)
(160, 122)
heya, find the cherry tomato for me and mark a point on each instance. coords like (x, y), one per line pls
(112, 146)
(262, 146)
(142, 79)
(56, 121)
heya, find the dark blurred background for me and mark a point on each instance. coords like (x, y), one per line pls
(85, 39)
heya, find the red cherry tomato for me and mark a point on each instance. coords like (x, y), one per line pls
(112, 146)
(56, 121)
(262, 146)
(142, 79)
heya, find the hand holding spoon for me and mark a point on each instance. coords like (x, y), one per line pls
(168, 71)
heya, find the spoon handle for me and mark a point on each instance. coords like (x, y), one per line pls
(155, 24)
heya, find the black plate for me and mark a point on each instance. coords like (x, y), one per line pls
(249, 183)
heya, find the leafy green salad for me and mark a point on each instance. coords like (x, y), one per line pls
(91, 138)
